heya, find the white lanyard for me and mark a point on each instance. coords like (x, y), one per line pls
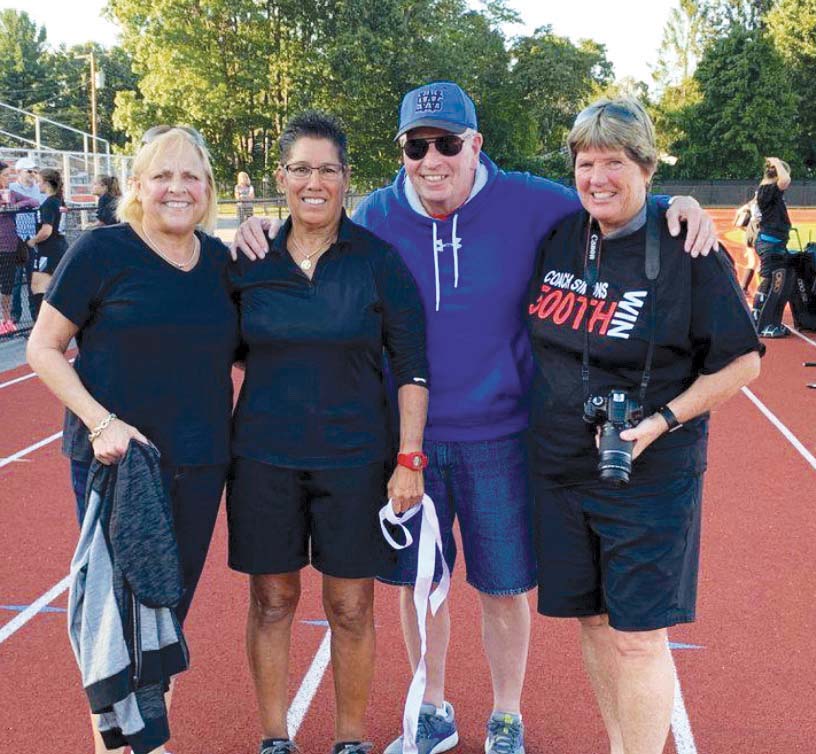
(430, 542)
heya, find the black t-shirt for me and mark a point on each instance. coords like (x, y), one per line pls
(106, 209)
(156, 344)
(50, 251)
(702, 324)
(313, 394)
(775, 220)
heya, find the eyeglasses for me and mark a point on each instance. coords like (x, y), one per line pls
(619, 112)
(448, 145)
(155, 131)
(328, 171)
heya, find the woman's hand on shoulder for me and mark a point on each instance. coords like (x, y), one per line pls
(405, 488)
(251, 237)
(112, 443)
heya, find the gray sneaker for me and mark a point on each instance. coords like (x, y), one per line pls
(505, 734)
(435, 734)
(364, 747)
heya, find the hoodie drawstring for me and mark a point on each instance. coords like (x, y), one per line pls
(438, 248)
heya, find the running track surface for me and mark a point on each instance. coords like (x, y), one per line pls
(745, 668)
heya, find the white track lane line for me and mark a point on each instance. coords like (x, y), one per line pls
(23, 378)
(30, 449)
(792, 329)
(16, 623)
(16, 380)
(786, 433)
(680, 725)
(308, 687)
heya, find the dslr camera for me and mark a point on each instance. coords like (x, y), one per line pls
(613, 413)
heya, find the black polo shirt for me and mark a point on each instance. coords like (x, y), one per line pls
(314, 395)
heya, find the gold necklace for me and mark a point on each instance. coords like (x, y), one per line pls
(306, 263)
(178, 265)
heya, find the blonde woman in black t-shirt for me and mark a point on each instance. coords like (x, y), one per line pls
(157, 331)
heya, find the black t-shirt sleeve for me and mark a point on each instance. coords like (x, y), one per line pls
(403, 319)
(50, 213)
(721, 325)
(77, 281)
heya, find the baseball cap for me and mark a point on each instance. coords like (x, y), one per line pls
(25, 163)
(441, 104)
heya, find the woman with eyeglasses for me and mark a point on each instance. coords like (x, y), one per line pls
(149, 305)
(310, 440)
(634, 343)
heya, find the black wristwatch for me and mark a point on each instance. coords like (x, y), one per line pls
(670, 418)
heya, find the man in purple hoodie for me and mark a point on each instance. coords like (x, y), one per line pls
(469, 233)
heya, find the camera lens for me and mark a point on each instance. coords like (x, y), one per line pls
(614, 456)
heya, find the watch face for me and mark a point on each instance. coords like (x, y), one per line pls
(416, 461)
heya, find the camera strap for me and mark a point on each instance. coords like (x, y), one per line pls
(592, 270)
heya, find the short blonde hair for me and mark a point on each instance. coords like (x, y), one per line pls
(130, 209)
(244, 177)
(619, 123)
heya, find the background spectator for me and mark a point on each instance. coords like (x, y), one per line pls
(106, 187)
(244, 195)
(27, 184)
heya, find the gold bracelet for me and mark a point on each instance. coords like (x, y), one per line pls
(101, 427)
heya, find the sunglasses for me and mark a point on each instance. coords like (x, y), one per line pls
(155, 131)
(618, 112)
(448, 145)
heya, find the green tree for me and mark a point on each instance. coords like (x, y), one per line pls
(23, 81)
(69, 70)
(747, 110)
(554, 79)
(792, 27)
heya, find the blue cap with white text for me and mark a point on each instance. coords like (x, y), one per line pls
(441, 104)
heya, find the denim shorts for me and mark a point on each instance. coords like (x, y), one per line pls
(630, 552)
(486, 486)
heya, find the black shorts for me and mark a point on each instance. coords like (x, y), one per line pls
(8, 266)
(631, 552)
(281, 519)
(195, 494)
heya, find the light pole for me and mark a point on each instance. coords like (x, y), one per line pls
(97, 81)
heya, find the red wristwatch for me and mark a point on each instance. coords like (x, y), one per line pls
(415, 461)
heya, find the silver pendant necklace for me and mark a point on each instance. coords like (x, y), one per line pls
(306, 263)
(177, 265)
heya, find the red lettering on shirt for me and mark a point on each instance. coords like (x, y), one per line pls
(602, 313)
(562, 313)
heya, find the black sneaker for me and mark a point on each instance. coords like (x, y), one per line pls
(279, 746)
(774, 331)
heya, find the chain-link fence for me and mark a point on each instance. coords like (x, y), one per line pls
(76, 168)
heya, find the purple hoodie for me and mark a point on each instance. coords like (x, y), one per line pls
(473, 270)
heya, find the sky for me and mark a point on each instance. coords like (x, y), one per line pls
(632, 31)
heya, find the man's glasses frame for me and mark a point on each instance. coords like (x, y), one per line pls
(448, 145)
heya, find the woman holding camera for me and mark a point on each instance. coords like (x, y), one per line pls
(771, 244)
(634, 343)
